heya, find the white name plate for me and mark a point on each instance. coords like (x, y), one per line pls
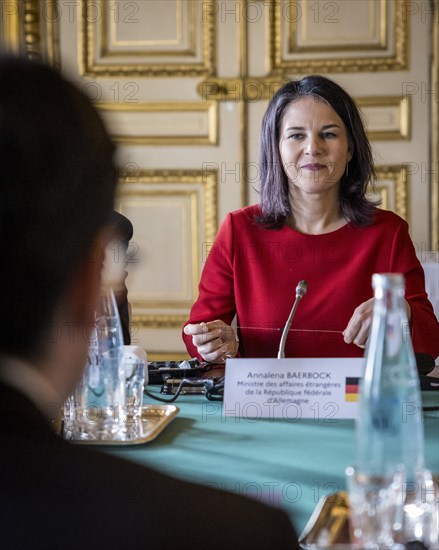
(323, 389)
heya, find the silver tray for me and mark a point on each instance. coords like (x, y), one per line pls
(153, 421)
(329, 527)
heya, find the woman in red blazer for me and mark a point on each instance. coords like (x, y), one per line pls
(315, 222)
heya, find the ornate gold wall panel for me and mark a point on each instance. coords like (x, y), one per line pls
(173, 213)
(187, 196)
(313, 37)
(383, 193)
(30, 27)
(185, 49)
(308, 23)
(435, 133)
(112, 38)
(191, 123)
(392, 187)
(387, 117)
(10, 25)
(40, 29)
(160, 321)
(177, 29)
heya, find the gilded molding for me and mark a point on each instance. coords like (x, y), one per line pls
(209, 181)
(434, 244)
(398, 174)
(40, 30)
(162, 304)
(158, 321)
(396, 62)
(206, 178)
(294, 48)
(88, 66)
(32, 30)
(240, 89)
(383, 192)
(191, 50)
(404, 106)
(208, 107)
(11, 28)
(51, 28)
(243, 105)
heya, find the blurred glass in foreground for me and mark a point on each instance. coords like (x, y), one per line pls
(389, 434)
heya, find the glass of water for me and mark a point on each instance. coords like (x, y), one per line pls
(377, 505)
(134, 369)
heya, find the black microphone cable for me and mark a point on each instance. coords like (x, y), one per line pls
(214, 390)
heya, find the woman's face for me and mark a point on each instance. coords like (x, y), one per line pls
(313, 146)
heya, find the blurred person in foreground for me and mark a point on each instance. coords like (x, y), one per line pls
(55, 207)
(315, 222)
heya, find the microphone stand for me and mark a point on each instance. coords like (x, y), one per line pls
(301, 289)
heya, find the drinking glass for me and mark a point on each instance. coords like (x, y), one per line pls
(421, 510)
(134, 369)
(99, 396)
(377, 505)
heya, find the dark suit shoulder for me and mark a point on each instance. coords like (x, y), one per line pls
(72, 496)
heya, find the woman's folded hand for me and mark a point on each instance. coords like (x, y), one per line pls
(215, 341)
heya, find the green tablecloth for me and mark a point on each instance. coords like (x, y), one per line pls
(290, 464)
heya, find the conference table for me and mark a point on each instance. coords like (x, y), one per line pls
(291, 464)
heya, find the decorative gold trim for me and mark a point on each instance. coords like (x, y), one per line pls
(404, 106)
(196, 267)
(211, 108)
(52, 33)
(161, 304)
(158, 321)
(30, 27)
(396, 62)
(383, 17)
(209, 180)
(88, 66)
(434, 244)
(32, 30)
(243, 119)
(243, 40)
(384, 194)
(240, 89)
(10, 25)
(195, 246)
(191, 50)
(398, 174)
(243, 107)
(294, 48)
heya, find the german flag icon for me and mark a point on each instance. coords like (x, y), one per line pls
(352, 389)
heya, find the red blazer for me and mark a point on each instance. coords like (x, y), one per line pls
(253, 272)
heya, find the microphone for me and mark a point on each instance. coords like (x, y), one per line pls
(301, 289)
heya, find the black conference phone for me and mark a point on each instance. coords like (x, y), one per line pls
(160, 371)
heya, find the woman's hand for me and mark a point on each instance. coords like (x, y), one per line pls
(357, 331)
(215, 341)
(359, 324)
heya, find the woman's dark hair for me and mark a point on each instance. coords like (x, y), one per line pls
(274, 200)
